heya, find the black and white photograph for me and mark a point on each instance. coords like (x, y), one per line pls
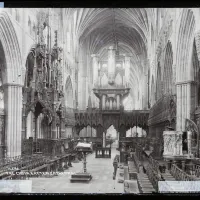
(99, 100)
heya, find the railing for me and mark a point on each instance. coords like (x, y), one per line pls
(154, 164)
(91, 139)
(192, 169)
(8, 160)
(180, 175)
(19, 163)
(45, 146)
(137, 162)
(106, 86)
(103, 153)
(153, 176)
(152, 169)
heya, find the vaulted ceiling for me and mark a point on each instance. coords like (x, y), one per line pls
(98, 28)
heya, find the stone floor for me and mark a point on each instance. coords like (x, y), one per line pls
(102, 182)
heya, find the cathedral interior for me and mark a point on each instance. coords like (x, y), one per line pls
(122, 82)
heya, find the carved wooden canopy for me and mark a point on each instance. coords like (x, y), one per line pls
(117, 119)
(163, 111)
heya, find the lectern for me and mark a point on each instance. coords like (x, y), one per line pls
(82, 176)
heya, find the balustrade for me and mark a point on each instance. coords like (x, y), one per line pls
(154, 164)
(152, 169)
(180, 175)
(192, 169)
(153, 176)
(33, 163)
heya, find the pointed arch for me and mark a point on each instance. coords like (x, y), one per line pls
(12, 74)
(168, 74)
(196, 75)
(68, 93)
(12, 50)
(184, 66)
(158, 83)
(185, 45)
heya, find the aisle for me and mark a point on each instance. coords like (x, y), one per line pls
(102, 182)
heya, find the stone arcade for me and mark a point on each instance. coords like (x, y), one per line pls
(124, 81)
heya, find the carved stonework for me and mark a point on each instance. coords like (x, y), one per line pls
(172, 108)
(43, 89)
(193, 129)
(172, 143)
(163, 37)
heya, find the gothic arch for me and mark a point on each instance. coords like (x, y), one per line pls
(168, 73)
(185, 45)
(196, 74)
(158, 83)
(11, 49)
(69, 93)
(29, 69)
(12, 74)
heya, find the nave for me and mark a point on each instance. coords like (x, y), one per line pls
(102, 181)
(73, 81)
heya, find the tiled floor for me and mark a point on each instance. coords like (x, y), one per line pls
(102, 182)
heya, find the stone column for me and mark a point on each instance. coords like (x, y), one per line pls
(118, 102)
(111, 64)
(127, 70)
(114, 105)
(95, 67)
(13, 109)
(2, 134)
(111, 104)
(103, 102)
(107, 104)
(184, 103)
